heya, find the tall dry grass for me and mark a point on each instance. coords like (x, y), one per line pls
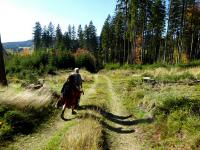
(86, 135)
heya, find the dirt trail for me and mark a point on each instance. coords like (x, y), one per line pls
(125, 138)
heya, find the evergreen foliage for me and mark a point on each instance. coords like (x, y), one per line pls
(150, 31)
(48, 39)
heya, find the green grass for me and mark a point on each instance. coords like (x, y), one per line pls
(114, 66)
(55, 141)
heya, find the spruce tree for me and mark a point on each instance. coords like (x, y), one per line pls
(66, 41)
(80, 36)
(44, 38)
(51, 35)
(69, 32)
(86, 36)
(74, 41)
(106, 40)
(37, 33)
(59, 38)
(93, 45)
(73, 33)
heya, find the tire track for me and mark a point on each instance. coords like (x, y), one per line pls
(121, 140)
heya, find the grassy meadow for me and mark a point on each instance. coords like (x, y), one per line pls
(162, 100)
(171, 99)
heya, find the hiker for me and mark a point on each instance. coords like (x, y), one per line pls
(70, 94)
(78, 82)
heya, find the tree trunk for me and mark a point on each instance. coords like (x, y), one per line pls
(3, 80)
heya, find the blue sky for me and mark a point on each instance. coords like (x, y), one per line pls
(18, 17)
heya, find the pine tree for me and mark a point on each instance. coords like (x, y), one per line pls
(37, 33)
(80, 36)
(86, 37)
(74, 41)
(105, 39)
(70, 32)
(3, 80)
(93, 45)
(123, 6)
(51, 35)
(119, 36)
(132, 27)
(66, 41)
(73, 33)
(45, 38)
(59, 38)
(155, 29)
(136, 32)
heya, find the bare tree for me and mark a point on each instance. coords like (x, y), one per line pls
(3, 80)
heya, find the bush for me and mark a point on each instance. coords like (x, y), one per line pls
(86, 59)
(63, 60)
(171, 104)
(3, 110)
(19, 121)
(13, 121)
(39, 63)
(6, 131)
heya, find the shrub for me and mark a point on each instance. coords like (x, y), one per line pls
(63, 60)
(19, 121)
(171, 104)
(5, 131)
(15, 121)
(85, 59)
(3, 110)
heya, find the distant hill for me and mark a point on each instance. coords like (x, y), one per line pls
(17, 45)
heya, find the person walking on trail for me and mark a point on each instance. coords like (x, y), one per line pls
(71, 92)
(77, 81)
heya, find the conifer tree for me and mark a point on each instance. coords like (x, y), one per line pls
(44, 38)
(93, 45)
(59, 38)
(37, 33)
(66, 41)
(80, 36)
(51, 35)
(106, 39)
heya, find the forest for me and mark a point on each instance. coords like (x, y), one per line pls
(139, 32)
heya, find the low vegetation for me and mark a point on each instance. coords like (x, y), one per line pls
(171, 100)
(33, 66)
(23, 111)
(87, 134)
(14, 121)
